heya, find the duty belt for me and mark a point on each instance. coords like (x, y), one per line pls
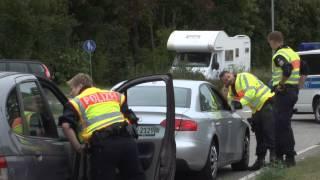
(116, 129)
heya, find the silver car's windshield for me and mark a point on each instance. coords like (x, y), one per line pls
(156, 96)
(193, 59)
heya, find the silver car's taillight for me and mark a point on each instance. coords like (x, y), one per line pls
(183, 124)
(3, 168)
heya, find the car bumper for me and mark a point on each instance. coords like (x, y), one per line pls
(191, 154)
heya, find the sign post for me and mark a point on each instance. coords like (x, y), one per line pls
(89, 46)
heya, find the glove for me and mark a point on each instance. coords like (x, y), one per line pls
(132, 130)
(279, 89)
(251, 122)
(131, 116)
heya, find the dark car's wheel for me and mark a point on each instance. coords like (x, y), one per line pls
(243, 163)
(209, 172)
(317, 111)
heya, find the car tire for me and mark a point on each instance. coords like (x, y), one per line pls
(209, 172)
(317, 111)
(243, 163)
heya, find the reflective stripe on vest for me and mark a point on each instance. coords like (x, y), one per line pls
(97, 109)
(244, 83)
(293, 58)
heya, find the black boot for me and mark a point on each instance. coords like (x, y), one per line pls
(258, 164)
(272, 157)
(279, 158)
(290, 161)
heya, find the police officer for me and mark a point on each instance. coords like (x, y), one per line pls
(285, 80)
(250, 91)
(102, 125)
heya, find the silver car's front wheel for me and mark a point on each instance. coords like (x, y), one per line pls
(211, 167)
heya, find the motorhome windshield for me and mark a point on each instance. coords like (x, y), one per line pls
(192, 59)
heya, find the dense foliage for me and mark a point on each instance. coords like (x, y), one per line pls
(131, 35)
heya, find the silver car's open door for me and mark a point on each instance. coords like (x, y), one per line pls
(158, 154)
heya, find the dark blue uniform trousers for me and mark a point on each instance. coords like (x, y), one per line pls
(283, 111)
(115, 152)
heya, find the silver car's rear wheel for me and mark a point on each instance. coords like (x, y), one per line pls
(211, 168)
(317, 111)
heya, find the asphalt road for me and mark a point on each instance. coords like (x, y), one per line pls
(306, 132)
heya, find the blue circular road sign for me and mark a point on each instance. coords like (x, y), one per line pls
(89, 46)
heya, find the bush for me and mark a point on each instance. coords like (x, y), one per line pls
(74, 61)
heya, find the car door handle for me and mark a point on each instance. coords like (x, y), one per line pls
(229, 122)
(218, 124)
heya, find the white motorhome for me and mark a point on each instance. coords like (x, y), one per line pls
(210, 52)
(309, 95)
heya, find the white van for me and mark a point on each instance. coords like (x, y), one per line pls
(210, 52)
(309, 95)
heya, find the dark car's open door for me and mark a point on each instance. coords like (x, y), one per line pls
(159, 153)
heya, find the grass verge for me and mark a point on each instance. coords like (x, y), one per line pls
(305, 169)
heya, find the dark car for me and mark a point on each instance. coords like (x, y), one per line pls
(26, 66)
(33, 147)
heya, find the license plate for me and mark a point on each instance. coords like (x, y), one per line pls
(147, 130)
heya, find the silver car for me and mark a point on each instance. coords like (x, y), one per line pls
(208, 133)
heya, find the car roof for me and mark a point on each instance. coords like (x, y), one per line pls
(177, 83)
(21, 61)
(316, 51)
(4, 74)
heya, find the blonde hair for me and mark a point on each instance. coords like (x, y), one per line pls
(80, 79)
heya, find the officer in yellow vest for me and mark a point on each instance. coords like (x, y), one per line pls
(98, 114)
(285, 81)
(17, 124)
(250, 91)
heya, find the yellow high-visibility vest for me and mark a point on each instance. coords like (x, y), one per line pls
(97, 109)
(293, 58)
(17, 123)
(250, 91)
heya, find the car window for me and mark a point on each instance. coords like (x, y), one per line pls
(313, 63)
(218, 99)
(37, 69)
(13, 113)
(54, 104)
(36, 116)
(207, 100)
(2, 66)
(156, 96)
(18, 67)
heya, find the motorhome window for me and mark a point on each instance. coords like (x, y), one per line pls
(193, 59)
(229, 55)
(313, 62)
(247, 50)
(237, 52)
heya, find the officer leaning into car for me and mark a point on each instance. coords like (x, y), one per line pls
(285, 82)
(250, 91)
(98, 115)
